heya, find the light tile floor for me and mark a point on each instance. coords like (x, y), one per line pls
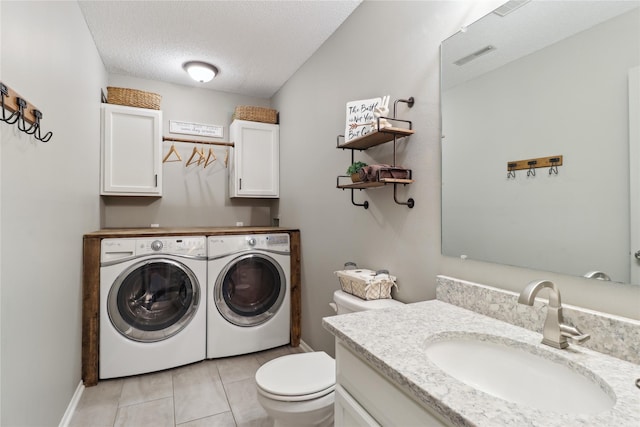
(216, 393)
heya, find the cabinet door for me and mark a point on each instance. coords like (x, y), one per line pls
(255, 166)
(349, 413)
(376, 396)
(131, 151)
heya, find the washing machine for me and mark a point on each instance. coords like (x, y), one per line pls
(152, 304)
(248, 293)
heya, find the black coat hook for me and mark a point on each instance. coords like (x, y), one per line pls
(554, 166)
(22, 124)
(532, 171)
(4, 92)
(37, 135)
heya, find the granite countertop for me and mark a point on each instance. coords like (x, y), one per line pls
(393, 341)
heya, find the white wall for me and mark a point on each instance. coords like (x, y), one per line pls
(192, 196)
(49, 199)
(385, 48)
(531, 221)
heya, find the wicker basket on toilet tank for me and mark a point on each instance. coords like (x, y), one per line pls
(366, 284)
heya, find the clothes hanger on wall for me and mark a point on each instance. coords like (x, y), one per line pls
(211, 157)
(173, 151)
(201, 158)
(193, 154)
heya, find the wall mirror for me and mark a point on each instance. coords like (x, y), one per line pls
(539, 79)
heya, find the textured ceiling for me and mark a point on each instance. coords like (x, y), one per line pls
(256, 45)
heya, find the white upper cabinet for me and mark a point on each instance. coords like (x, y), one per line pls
(254, 170)
(131, 151)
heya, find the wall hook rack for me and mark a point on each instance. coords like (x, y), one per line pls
(23, 113)
(551, 162)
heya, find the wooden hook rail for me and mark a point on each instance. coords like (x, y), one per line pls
(539, 162)
(21, 112)
(11, 103)
(195, 141)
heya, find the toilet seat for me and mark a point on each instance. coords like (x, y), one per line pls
(297, 377)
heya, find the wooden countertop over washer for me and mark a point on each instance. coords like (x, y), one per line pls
(91, 280)
(183, 231)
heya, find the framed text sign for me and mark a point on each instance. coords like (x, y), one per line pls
(360, 118)
(188, 128)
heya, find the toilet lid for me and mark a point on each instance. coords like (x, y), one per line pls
(298, 374)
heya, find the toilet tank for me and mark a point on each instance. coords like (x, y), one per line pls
(346, 303)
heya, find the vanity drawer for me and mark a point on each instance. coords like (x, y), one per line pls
(387, 404)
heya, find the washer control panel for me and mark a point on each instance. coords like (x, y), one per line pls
(172, 245)
(117, 249)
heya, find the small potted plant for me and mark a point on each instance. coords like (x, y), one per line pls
(354, 170)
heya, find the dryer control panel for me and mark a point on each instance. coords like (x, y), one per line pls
(225, 245)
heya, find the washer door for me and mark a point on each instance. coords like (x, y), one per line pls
(250, 289)
(153, 300)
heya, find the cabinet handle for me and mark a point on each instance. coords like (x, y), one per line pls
(240, 184)
(156, 180)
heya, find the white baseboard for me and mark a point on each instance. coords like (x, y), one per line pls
(305, 347)
(71, 408)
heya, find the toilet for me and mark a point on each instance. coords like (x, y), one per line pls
(298, 389)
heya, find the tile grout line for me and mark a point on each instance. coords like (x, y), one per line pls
(173, 397)
(226, 396)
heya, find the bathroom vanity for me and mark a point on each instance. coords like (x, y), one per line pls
(388, 373)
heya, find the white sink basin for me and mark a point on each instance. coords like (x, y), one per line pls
(518, 376)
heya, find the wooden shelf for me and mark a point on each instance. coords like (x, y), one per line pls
(372, 139)
(376, 184)
(376, 138)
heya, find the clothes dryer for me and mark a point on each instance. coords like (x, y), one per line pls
(152, 304)
(248, 295)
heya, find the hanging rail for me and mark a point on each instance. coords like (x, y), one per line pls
(23, 113)
(195, 141)
(201, 157)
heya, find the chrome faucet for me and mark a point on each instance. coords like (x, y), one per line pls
(555, 332)
(600, 275)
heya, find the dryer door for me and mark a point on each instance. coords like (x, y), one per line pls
(153, 300)
(250, 289)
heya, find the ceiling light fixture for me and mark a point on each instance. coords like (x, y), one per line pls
(200, 71)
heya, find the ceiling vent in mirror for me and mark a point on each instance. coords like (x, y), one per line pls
(509, 7)
(475, 55)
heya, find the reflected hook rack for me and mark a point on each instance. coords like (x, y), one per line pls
(551, 162)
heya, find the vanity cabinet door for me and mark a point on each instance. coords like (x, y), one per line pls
(254, 170)
(377, 397)
(349, 413)
(131, 163)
